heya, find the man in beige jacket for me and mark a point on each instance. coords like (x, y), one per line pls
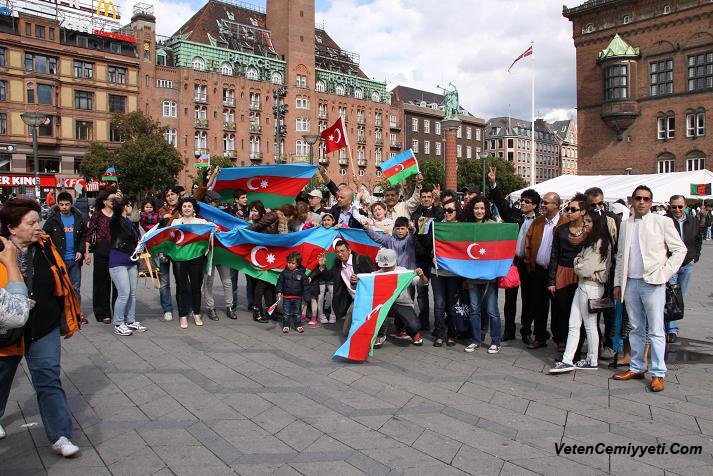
(650, 251)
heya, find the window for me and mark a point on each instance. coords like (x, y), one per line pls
(616, 80)
(228, 97)
(666, 9)
(40, 63)
(84, 100)
(170, 109)
(626, 19)
(254, 100)
(426, 147)
(83, 70)
(438, 128)
(228, 116)
(198, 63)
(2, 56)
(414, 145)
(39, 31)
(661, 77)
(3, 123)
(589, 28)
(200, 93)
(201, 113)
(46, 129)
(695, 161)
(700, 72)
(392, 121)
(200, 140)
(459, 151)
(45, 94)
(171, 136)
(302, 125)
(229, 142)
(301, 103)
(301, 81)
(358, 93)
(320, 87)
(459, 132)
(301, 148)
(376, 97)
(343, 113)
(114, 133)
(414, 124)
(392, 138)
(340, 90)
(426, 126)
(164, 83)
(666, 127)
(116, 74)
(468, 133)
(695, 124)
(28, 29)
(469, 152)
(254, 145)
(83, 130)
(438, 147)
(117, 103)
(3, 90)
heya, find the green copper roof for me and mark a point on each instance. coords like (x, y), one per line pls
(618, 48)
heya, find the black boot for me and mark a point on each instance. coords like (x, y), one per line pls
(212, 315)
(231, 313)
(259, 315)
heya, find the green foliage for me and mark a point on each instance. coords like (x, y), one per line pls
(433, 171)
(470, 171)
(143, 161)
(202, 174)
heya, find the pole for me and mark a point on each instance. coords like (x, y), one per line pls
(532, 137)
(35, 161)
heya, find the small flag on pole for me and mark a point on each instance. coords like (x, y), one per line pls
(272, 308)
(400, 167)
(700, 189)
(203, 161)
(526, 53)
(110, 175)
(425, 227)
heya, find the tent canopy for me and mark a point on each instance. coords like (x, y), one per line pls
(621, 186)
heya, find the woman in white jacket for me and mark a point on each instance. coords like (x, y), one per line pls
(591, 266)
(14, 302)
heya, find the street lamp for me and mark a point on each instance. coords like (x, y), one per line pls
(311, 139)
(484, 157)
(35, 120)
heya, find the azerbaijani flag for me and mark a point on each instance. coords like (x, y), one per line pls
(359, 242)
(375, 293)
(224, 221)
(179, 242)
(202, 161)
(425, 227)
(264, 256)
(274, 185)
(400, 167)
(475, 250)
(110, 175)
(700, 189)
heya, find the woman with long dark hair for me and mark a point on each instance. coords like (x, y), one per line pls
(99, 244)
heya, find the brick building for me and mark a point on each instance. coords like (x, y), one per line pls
(420, 114)
(78, 79)
(644, 82)
(215, 82)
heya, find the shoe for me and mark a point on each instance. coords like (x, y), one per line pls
(561, 367)
(167, 316)
(122, 330)
(493, 349)
(656, 384)
(536, 344)
(628, 375)
(670, 338)
(106, 320)
(471, 348)
(417, 339)
(300, 330)
(508, 336)
(84, 320)
(607, 353)
(379, 342)
(313, 322)
(585, 365)
(323, 320)
(438, 342)
(197, 319)
(401, 335)
(285, 330)
(527, 340)
(183, 320)
(212, 315)
(230, 312)
(258, 316)
(450, 342)
(65, 447)
(2, 432)
(332, 319)
(137, 326)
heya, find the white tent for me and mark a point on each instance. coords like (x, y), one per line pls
(621, 186)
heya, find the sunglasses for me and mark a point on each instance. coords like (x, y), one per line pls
(572, 209)
(596, 205)
(449, 210)
(544, 202)
(526, 201)
(640, 198)
(678, 207)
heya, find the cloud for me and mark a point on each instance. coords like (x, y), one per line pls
(170, 16)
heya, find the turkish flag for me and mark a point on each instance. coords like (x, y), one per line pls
(334, 136)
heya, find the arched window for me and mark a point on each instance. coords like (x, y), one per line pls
(276, 77)
(320, 87)
(358, 93)
(228, 142)
(339, 90)
(695, 160)
(376, 97)
(666, 163)
(170, 109)
(226, 69)
(201, 140)
(161, 57)
(198, 63)
(252, 73)
(589, 28)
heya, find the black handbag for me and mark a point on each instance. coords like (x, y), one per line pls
(673, 309)
(595, 306)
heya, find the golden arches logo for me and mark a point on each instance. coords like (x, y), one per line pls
(106, 7)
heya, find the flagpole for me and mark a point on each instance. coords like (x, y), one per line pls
(532, 137)
(349, 152)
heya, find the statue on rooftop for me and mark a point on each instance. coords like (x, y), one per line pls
(450, 102)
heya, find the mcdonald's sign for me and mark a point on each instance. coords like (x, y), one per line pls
(105, 8)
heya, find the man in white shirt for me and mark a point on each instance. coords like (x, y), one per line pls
(650, 251)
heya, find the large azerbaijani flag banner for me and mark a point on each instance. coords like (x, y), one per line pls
(475, 250)
(375, 293)
(274, 185)
(400, 167)
(224, 221)
(179, 242)
(265, 256)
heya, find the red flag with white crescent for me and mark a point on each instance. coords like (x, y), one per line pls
(334, 136)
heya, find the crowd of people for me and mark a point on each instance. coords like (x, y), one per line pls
(570, 257)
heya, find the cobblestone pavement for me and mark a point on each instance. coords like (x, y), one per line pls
(241, 397)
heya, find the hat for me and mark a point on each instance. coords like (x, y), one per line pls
(619, 208)
(470, 188)
(315, 193)
(212, 196)
(386, 258)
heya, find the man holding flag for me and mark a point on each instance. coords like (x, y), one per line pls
(396, 170)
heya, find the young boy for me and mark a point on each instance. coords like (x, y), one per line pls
(402, 241)
(293, 288)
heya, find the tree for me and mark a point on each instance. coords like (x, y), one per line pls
(471, 172)
(143, 161)
(433, 171)
(220, 161)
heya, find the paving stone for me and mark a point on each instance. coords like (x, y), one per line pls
(299, 435)
(120, 447)
(144, 461)
(473, 461)
(402, 430)
(439, 446)
(327, 467)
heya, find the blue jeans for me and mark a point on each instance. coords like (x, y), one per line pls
(644, 305)
(74, 270)
(484, 295)
(291, 308)
(445, 295)
(165, 280)
(43, 361)
(682, 277)
(125, 278)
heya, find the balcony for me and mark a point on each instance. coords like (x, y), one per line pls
(619, 115)
(395, 145)
(322, 115)
(378, 123)
(228, 126)
(256, 156)
(255, 106)
(377, 163)
(361, 163)
(299, 159)
(394, 126)
(361, 120)
(343, 161)
(231, 154)
(201, 124)
(255, 129)
(201, 98)
(198, 152)
(361, 140)
(378, 142)
(324, 161)
(229, 102)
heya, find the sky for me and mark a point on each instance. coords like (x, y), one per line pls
(425, 43)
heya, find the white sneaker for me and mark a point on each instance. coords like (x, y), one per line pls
(332, 320)
(471, 348)
(65, 447)
(122, 330)
(323, 320)
(137, 326)
(167, 316)
(493, 349)
(2, 432)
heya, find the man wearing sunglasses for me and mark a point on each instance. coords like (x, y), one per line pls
(649, 253)
(687, 228)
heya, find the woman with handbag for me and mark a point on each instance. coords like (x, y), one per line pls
(99, 244)
(591, 266)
